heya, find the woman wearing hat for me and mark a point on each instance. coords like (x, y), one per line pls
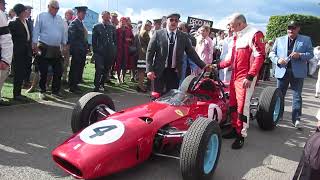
(22, 49)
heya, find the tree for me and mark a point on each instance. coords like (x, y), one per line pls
(310, 26)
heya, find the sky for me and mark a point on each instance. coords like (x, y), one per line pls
(257, 12)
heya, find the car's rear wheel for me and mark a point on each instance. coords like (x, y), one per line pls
(200, 150)
(187, 83)
(270, 109)
(89, 109)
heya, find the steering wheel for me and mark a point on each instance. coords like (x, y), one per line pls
(198, 80)
(214, 75)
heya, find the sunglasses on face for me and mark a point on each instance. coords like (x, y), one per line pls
(174, 20)
(292, 28)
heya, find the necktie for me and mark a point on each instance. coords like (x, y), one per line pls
(171, 46)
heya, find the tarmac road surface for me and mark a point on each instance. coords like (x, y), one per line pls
(28, 134)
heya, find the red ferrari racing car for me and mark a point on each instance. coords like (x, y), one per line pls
(106, 141)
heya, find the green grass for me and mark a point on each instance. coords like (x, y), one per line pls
(87, 86)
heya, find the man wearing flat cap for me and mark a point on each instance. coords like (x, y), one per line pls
(290, 54)
(22, 49)
(6, 48)
(165, 55)
(157, 24)
(77, 38)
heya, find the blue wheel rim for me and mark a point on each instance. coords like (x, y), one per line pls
(276, 111)
(211, 154)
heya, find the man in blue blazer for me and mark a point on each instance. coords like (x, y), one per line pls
(291, 53)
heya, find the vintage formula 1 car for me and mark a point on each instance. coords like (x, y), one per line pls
(106, 142)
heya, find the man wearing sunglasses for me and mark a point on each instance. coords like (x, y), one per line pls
(6, 48)
(291, 53)
(165, 55)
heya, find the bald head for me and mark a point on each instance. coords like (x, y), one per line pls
(239, 18)
(237, 22)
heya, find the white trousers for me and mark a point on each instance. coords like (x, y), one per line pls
(312, 66)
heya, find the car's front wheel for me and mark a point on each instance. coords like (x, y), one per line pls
(200, 150)
(89, 109)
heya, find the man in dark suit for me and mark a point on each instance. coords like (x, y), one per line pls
(29, 19)
(104, 44)
(165, 55)
(22, 49)
(77, 38)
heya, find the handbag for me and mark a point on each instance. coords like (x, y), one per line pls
(132, 50)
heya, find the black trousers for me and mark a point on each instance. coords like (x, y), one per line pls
(102, 66)
(166, 81)
(56, 64)
(21, 63)
(29, 70)
(78, 62)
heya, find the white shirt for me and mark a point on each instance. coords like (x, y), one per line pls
(227, 43)
(174, 48)
(27, 29)
(6, 44)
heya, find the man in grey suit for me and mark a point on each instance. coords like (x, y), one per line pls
(165, 55)
(104, 45)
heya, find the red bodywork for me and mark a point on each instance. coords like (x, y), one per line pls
(88, 161)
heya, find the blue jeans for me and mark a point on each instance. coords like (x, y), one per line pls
(185, 62)
(296, 86)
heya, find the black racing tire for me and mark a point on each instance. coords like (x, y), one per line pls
(187, 83)
(82, 115)
(270, 109)
(194, 148)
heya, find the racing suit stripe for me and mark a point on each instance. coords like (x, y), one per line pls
(246, 107)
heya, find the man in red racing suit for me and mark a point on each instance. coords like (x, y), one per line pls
(246, 58)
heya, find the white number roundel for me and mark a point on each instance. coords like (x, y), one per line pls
(103, 132)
